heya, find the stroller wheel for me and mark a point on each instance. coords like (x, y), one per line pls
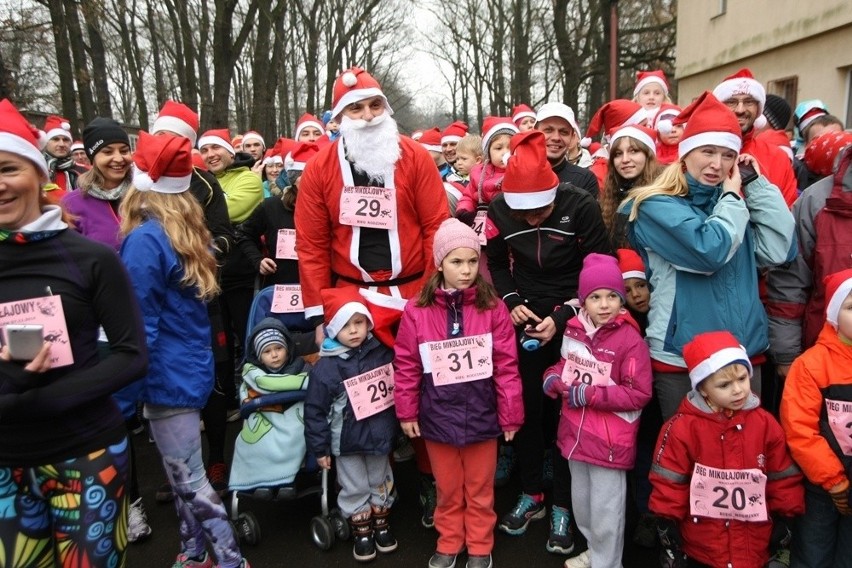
(247, 528)
(340, 524)
(322, 533)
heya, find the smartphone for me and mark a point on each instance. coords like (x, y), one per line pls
(24, 341)
(747, 173)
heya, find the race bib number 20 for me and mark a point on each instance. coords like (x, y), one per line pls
(738, 494)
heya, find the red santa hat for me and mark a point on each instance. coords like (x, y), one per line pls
(708, 122)
(647, 77)
(78, 145)
(431, 139)
(220, 137)
(663, 118)
(339, 305)
(631, 264)
(495, 125)
(299, 156)
(807, 111)
(386, 312)
(837, 289)
(521, 111)
(454, 132)
(823, 150)
(741, 83)
(558, 110)
(417, 134)
(711, 351)
(612, 116)
(237, 140)
(197, 160)
(305, 121)
(178, 118)
(355, 85)
(18, 136)
(270, 157)
(283, 146)
(57, 126)
(529, 182)
(254, 135)
(163, 163)
(641, 134)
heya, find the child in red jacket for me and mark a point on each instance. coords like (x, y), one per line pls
(724, 484)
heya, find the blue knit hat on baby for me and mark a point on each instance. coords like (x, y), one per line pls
(267, 337)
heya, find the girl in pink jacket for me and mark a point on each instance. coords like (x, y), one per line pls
(604, 379)
(457, 385)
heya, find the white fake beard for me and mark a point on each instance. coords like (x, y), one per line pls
(373, 147)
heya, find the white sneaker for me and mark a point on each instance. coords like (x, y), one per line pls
(137, 522)
(582, 560)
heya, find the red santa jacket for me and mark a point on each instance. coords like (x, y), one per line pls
(774, 164)
(749, 438)
(326, 247)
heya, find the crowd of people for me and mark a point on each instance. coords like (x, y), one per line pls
(651, 319)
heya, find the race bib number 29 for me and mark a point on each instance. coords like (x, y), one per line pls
(369, 207)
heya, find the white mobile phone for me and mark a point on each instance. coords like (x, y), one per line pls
(24, 341)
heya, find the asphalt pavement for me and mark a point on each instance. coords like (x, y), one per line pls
(286, 539)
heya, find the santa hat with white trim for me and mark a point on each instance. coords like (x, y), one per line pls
(308, 120)
(431, 139)
(641, 134)
(708, 122)
(838, 286)
(558, 110)
(612, 116)
(647, 77)
(454, 132)
(339, 305)
(807, 111)
(355, 85)
(630, 264)
(78, 145)
(664, 117)
(254, 135)
(529, 182)
(178, 118)
(299, 156)
(18, 136)
(711, 351)
(493, 126)
(220, 137)
(743, 83)
(270, 157)
(521, 111)
(57, 126)
(163, 163)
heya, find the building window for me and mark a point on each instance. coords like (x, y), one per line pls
(786, 88)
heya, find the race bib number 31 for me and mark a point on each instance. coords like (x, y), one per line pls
(738, 494)
(370, 207)
(370, 392)
(461, 360)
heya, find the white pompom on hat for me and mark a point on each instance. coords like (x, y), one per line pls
(57, 126)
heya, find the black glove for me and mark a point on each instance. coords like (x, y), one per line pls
(671, 556)
(781, 534)
(466, 217)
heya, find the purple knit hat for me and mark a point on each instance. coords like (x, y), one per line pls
(453, 234)
(600, 271)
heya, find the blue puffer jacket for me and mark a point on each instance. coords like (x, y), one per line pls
(702, 253)
(330, 425)
(177, 327)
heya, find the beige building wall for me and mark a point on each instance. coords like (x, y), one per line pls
(805, 47)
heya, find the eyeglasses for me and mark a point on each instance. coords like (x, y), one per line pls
(747, 102)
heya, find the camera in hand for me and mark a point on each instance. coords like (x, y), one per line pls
(747, 173)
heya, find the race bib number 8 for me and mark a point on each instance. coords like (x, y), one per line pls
(287, 299)
(370, 207)
(738, 494)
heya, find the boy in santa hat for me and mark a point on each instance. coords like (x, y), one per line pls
(724, 485)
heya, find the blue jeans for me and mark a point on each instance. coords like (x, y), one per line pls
(822, 537)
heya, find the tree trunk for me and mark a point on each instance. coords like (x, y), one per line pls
(92, 15)
(81, 64)
(159, 79)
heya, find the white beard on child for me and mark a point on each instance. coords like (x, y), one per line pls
(373, 147)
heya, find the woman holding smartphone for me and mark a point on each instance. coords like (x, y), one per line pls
(63, 444)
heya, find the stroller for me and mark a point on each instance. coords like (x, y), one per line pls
(270, 451)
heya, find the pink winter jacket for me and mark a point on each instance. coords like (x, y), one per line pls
(490, 178)
(604, 431)
(463, 413)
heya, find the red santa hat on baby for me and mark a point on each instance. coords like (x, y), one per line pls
(299, 156)
(17, 136)
(611, 116)
(163, 163)
(493, 126)
(454, 132)
(178, 118)
(837, 288)
(521, 111)
(57, 126)
(431, 139)
(355, 85)
(254, 135)
(647, 77)
(630, 264)
(708, 352)
(708, 122)
(641, 134)
(529, 182)
(822, 152)
(663, 118)
(743, 83)
(308, 120)
(339, 305)
(220, 137)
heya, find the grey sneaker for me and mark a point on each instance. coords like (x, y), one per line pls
(527, 509)
(560, 541)
(479, 562)
(440, 560)
(137, 522)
